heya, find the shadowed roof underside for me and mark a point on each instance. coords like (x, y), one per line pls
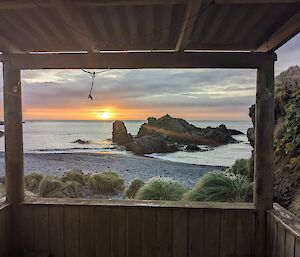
(144, 25)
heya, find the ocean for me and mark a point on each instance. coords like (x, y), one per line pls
(57, 137)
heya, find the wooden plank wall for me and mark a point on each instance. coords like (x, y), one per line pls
(283, 233)
(4, 229)
(137, 231)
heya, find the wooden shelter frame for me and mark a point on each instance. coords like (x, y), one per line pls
(258, 55)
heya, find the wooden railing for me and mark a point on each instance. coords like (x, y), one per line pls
(4, 229)
(137, 229)
(283, 233)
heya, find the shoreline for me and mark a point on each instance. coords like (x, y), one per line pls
(128, 166)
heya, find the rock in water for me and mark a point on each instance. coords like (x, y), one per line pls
(1, 133)
(192, 148)
(82, 142)
(148, 145)
(176, 130)
(119, 134)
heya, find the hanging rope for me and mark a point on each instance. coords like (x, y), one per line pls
(93, 76)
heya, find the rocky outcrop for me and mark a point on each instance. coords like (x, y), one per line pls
(82, 142)
(120, 135)
(148, 145)
(163, 135)
(180, 131)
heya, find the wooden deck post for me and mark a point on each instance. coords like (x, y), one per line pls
(13, 149)
(263, 155)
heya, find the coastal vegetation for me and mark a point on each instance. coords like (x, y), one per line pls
(133, 188)
(161, 189)
(286, 141)
(221, 187)
(106, 183)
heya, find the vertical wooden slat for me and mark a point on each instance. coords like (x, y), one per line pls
(196, 233)
(87, 232)
(212, 233)
(3, 235)
(27, 228)
(56, 231)
(273, 237)
(297, 248)
(164, 233)
(280, 241)
(41, 226)
(245, 234)
(102, 231)
(133, 232)
(263, 152)
(289, 245)
(149, 232)
(228, 234)
(118, 233)
(180, 233)
(71, 231)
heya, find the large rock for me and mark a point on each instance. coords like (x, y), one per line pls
(119, 134)
(149, 144)
(180, 131)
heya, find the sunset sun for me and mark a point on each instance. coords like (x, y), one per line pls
(104, 115)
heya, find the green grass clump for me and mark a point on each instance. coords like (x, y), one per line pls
(49, 184)
(71, 189)
(161, 189)
(221, 187)
(74, 175)
(2, 190)
(243, 167)
(32, 181)
(106, 183)
(134, 187)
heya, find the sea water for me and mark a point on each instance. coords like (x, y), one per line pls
(57, 137)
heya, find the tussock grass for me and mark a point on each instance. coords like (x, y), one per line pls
(106, 183)
(74, 175)
(134, 187)
(2, 190)
(71, 189)
(221, 187)
(161, 189)
(295, 206)
(33, 180)
(49, 184)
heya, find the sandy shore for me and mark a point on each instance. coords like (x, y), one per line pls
(128, 166)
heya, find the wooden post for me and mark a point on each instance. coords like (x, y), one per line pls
(263, 154)
(13, 149)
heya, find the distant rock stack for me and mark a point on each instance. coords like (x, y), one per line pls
(119, 134)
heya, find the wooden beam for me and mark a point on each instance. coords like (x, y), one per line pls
(30, 4)
(263, 152)
(192, 9)
(282, 35)
(255, 1)
(13, 149)
(140, 60)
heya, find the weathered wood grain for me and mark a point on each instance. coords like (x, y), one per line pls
(41, 227)
(27, 228)
(87, 232)
(102, 232)
(72, 235)
(56, 231)
(196, 236)
(228, 234)
(3, 234)
(164, 233)
(149, 232)
(118, 233)
(280, 241)
(133, 232)
(180, 233)
(289, 244)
